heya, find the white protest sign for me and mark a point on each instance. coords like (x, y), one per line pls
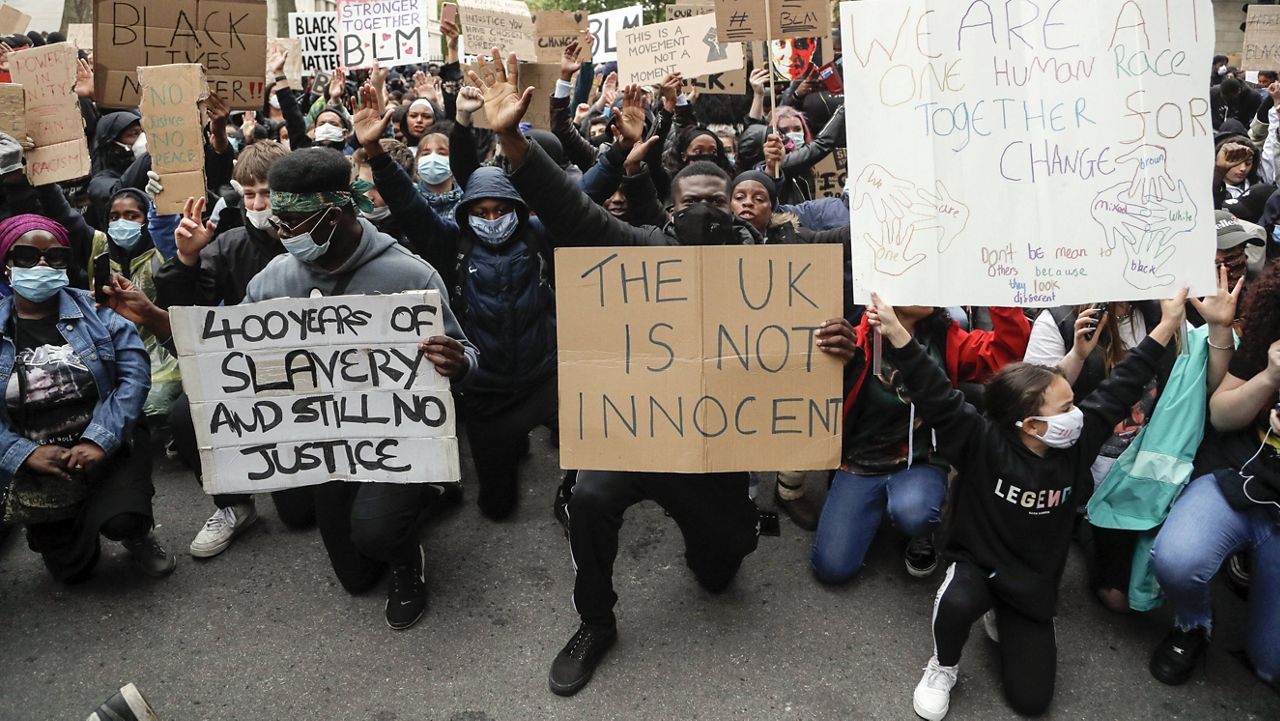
(318, 33)
(388, 31)
(605, 27)
(503, 24)
(1049, 156)
(295, 392)
(648, 54)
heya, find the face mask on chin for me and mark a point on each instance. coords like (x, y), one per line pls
(306, 249)
(260, 219)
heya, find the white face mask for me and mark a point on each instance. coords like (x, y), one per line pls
(796, 138)
(1063, 430)
(259, 218)
(329, 134)
(379, 212)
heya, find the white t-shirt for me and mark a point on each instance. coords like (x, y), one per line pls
(1046, 347)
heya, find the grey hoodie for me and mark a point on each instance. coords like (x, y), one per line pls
(378, 265)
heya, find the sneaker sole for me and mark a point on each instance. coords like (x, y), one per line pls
(929, 716)
(409, 625)
(137, 704)
(211, 551)
(921, 572)
(570, 689)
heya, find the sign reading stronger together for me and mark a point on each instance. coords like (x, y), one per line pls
(295, 392)
(1033, 153)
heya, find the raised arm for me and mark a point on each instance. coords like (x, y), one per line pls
(979, 353)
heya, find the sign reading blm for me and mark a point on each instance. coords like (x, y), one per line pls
(698, 359)
(1034, 153)
(295, 392)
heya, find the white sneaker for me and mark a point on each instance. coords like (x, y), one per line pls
(989, 623)
(932, 698)
(223, 526)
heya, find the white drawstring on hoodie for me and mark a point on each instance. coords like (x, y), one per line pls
(911, 436)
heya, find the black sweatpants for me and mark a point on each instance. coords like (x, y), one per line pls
(367, 527)
(719, 522)
(498, 442)
(295, 506)
(1028, 648)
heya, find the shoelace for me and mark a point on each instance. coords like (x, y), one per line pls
(920, 546)
(404, 578)
(939, 677)
(580, 644)
(224, 517)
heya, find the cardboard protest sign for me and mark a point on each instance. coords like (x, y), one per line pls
(732, 82)
(676, 11)
(53, 122)
(555, 29)
(648, 54)
(1261, 38)
(13, 113)
(698, 359)
(503, 24)
(830, 173)
(318, 34)
(80, 35)
(227, 37)
(292, 62)
(977, 169)
(746, 19)
(388, 31)
(539, 75)
(173, 121)
(605, 27)
(13, 20)
(295, 392)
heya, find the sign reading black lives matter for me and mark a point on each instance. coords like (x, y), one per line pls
(295, 392)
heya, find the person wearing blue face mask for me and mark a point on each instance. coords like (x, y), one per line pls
(75, 463)
(435, 176)
(494, 258)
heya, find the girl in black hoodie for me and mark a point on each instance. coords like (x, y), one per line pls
(1022, 472)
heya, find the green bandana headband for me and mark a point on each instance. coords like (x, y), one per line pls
(283, 201)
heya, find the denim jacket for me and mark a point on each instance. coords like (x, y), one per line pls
(110, 346)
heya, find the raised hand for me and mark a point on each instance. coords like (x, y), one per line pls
(337, 85)
(219, 113)
(1088, 329)
(1220, 309)
(889, 196)
(883, 318)
(505, 103)
(634, 162)
(277, 56)
(371, 121)
(470, 100)
(941, 212)
(759, 79)
(631, 119)
(610, 89)
(378, 75)
(192, 234)
(84, 79)
(892, 253)
(671, 90)
(569, 60)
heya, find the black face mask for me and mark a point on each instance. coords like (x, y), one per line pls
(598, 140)
(702, 224)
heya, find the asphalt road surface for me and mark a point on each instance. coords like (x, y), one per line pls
(264, 631)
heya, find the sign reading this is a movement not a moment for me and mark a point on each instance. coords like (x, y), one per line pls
(698, 359)
(296, 392)
(649, 53)
(1036, 153)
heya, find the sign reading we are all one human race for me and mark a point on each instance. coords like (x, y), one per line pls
(1036, 153)
(295, 392)
(698, 359)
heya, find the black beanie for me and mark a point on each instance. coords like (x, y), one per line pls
(760, 178)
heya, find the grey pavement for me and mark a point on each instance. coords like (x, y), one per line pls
(264, 631)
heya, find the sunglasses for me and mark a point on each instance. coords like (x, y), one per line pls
(288, 230)
(28, 256)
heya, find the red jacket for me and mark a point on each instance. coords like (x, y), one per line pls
(971, 356)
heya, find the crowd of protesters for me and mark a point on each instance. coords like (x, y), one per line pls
(992, 439)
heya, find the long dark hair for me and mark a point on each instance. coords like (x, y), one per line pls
(1261, 325)
(1016, 391)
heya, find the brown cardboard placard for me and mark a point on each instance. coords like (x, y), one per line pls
(555, 29)
(173, 121)
(830, 174)
(13, 20)
(732, 82)
(503, 24)
(13, 112)
(701, 360)
(1261, 38)
(52, 117)
(543, 77)
(741, 20)
(649, 53)
(80, 35)
(675, 11)
(292, 63)
(56, 163)
(227, 37)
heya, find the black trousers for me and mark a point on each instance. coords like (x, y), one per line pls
(498, 442)
(367, 527)
(719, 522)
(295, 505)
(1028, 648)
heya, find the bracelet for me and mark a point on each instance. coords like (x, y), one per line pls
(1219, 347)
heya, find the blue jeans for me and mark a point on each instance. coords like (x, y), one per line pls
(856, 504)
(1201, 532)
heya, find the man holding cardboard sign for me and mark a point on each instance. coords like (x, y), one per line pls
(696, 469)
